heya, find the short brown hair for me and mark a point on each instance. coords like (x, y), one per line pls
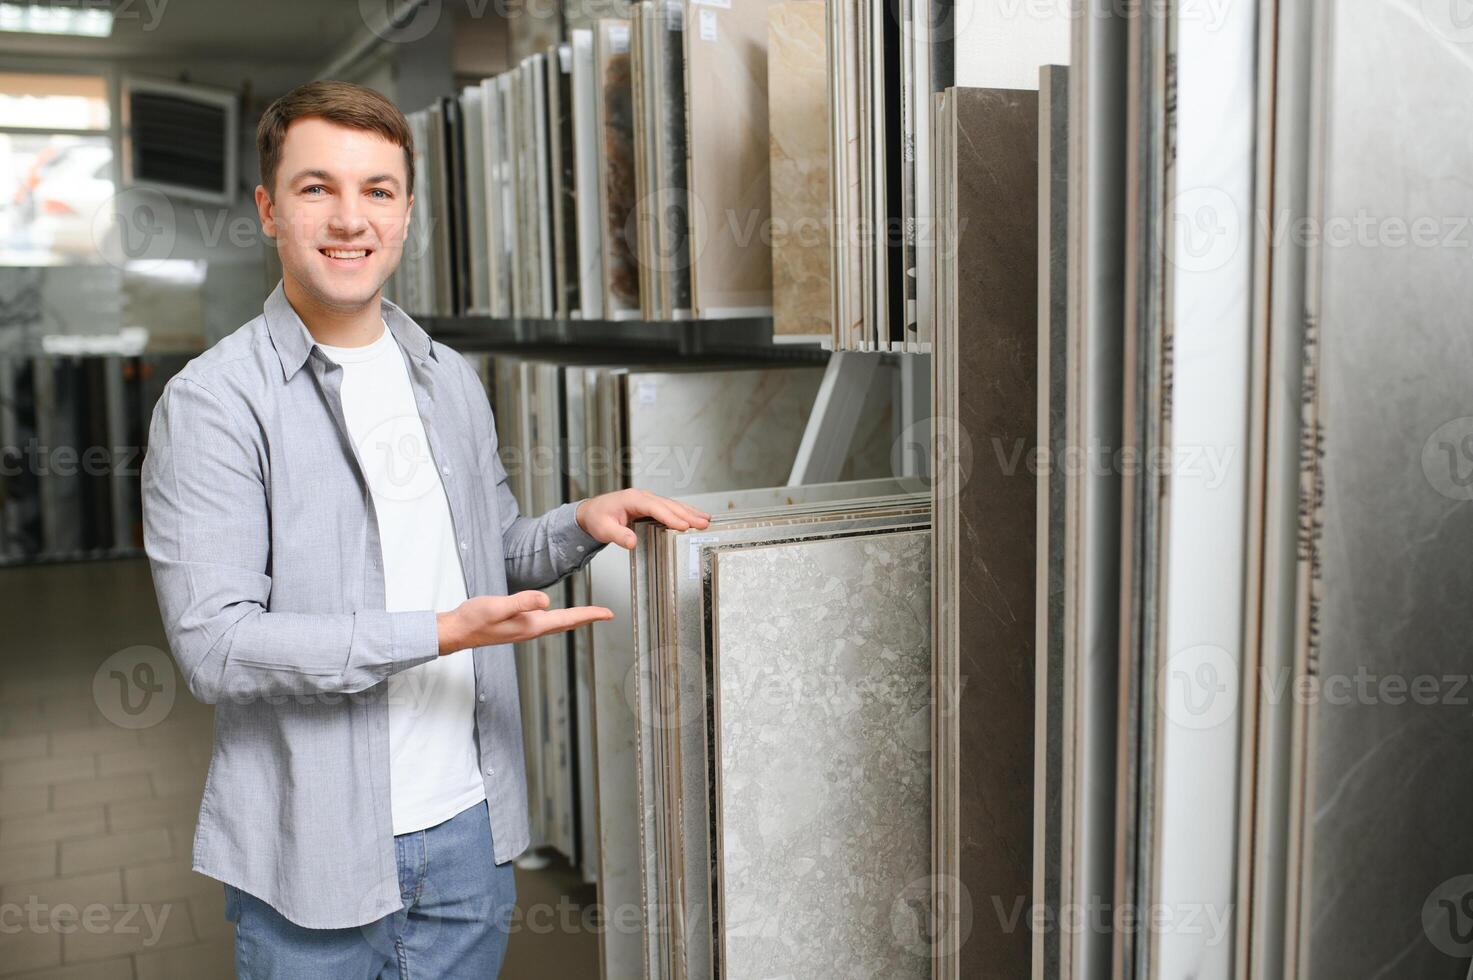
(343, 103)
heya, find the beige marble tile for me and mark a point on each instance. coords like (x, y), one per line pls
(798, 141)
(726, 93)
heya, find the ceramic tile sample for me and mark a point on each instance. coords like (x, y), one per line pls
(845, 176)
(797, 73)
(1049, 846)
(823, 811)
(616, 724)
(541, 160)
(987, 372)
(617, 728)
(726, 128)
(1194, 829)
(497, 175)
(682, 647)
(696, 431)
(475, 204)
(1145, 360)
(1093, 375)
(586, 177)
(1278, 330)
(997, 47)
(672, 201)
(585, 13)
(617, 190)
(1388, 422)
(564, 190)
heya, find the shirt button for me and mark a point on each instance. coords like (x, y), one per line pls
(481, 697)
(445, 470)
(490, 772)
(580, 547)
(463, 546)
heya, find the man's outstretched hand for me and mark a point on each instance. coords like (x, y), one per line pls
(607, 517)
(489, 620)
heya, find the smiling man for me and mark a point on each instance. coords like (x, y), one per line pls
(341, 569)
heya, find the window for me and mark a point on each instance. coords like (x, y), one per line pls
(56, 167)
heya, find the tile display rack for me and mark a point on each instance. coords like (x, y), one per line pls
(747, 335)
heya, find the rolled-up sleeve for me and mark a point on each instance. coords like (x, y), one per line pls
(206, 529)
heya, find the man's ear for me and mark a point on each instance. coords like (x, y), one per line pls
(266, 211)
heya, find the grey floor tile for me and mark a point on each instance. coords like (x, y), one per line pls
(18, 800)
(115, 851)
(106, 789)
(28, 862)
(88, 821)
(118, 968)
(166, 880)
(32, 772)
(130, 929)
(201, 961)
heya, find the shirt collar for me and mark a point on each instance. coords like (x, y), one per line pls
(292, 339)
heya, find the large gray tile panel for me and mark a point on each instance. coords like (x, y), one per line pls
(995, 404)
(824, 807)
(1390, 780)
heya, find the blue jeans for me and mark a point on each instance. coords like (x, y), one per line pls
(455, 921)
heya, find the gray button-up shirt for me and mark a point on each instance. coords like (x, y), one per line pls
(261, 533)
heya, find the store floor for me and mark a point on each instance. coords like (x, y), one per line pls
(97, 819)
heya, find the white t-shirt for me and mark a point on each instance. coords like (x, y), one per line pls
(434, 767)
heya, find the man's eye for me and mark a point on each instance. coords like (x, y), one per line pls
(383, 194)
(314, 187)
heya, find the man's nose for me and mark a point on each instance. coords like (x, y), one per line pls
(347, 218)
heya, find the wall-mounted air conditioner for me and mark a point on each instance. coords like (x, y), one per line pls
(179, 139)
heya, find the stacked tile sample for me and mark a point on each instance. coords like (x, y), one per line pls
(679, 859)
(986, 405)
(802, 250)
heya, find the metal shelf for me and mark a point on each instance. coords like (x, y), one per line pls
(751, 336)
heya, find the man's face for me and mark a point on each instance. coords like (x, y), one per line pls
(340, 211)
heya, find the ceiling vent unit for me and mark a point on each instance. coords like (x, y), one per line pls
(180, 139)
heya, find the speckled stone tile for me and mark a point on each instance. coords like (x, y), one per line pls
(822, 669)
(726, 91)
(682, 651)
